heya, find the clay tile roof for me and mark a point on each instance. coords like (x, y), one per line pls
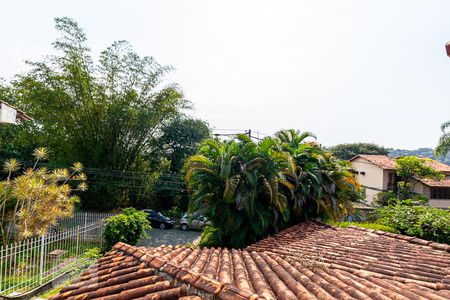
(382, 161)
(439, 166)
(437, 183)
(307, 261)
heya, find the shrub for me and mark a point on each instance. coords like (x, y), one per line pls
(420, 221)
(128, 227)
(92, 253)
(210, 237)
(374, 226)
(384, 198)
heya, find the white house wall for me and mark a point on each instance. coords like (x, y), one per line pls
(373, 179)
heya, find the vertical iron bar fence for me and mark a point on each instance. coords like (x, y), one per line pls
(30, 263)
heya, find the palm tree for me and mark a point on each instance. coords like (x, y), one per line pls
(292, 139)
(443, 146)
(235, 184)
(249, 189)
(316, 182)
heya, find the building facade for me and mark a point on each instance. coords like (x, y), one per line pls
(376, 173)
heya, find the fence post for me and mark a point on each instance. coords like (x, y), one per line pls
(102, 226)
(85, 224)
(78, 241)
(41, 260)
(1, 268)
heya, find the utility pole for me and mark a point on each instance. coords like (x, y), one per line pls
(249, 133)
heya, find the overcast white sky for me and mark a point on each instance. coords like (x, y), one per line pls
(350, 71)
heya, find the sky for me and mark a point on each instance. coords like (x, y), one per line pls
(349, 71)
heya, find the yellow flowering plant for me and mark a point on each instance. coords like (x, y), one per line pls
(36, 199)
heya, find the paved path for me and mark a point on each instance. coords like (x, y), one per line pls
(170, 237)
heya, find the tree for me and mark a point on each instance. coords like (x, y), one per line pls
(37, 199)
(249, 189)
(348, 151)
(107, 114)
(416, 168)
(234, 184)
(317, 182)
(443, 146)
(413, 169)
(180, 139)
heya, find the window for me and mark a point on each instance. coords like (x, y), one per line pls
(440, 193)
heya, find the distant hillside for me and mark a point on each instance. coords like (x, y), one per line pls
(424, 152)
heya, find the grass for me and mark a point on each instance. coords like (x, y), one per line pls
(56, 290)
(368, 225)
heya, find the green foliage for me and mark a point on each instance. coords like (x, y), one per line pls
(421, 221)
(93, 253)
(374, 226)
(348, 151)
(180, 139)
(210, 237)
(412, 169)
(234, 184)
(128, 227)
(409, 167)
(384, 198)
(443, 146)
(249, 189)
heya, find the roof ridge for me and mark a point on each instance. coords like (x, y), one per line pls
(202, 283)
(409, 239)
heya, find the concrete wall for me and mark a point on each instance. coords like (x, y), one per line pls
(420, 188)
(439, 203)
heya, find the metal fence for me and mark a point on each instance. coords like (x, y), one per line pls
(30, 263)
(81, 219)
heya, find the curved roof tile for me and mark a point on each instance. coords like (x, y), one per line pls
(307, 261)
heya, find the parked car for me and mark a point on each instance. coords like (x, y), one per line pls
(158, 220)
(193, 222)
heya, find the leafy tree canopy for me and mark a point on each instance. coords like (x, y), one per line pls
(409, 167)
(180, 139)
(347, 151)
(114, 115)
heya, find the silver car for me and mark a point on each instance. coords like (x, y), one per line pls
(189, 221)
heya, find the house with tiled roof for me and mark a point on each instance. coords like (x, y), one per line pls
(308, 261)
(376, 173)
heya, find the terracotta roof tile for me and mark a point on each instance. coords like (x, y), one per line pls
(308, 261)
(382, 161)
(437, 183)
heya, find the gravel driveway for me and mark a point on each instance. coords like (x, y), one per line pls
(170, 237)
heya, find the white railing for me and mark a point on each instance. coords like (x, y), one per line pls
(33, 262)
(81, 219)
